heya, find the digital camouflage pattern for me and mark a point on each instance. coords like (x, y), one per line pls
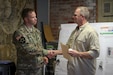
(30, 51)
(30, 72)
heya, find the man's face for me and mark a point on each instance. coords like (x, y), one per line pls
(77, 17)
(31, 18)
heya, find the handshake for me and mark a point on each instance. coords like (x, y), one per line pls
(73, 53)
(53, 53)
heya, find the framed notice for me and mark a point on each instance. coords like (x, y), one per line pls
(104, 10)
(107, 8)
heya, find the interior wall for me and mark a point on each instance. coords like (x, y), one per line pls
(57, 12)
(61, 12)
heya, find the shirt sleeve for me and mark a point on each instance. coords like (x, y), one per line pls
(45, 52)
(94, 44)
(21, 43)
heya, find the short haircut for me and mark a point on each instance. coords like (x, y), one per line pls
(84, 11)
(25, 12)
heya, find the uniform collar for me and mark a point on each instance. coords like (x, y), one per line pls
(28, 28)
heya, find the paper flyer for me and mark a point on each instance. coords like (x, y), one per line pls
(65, 52)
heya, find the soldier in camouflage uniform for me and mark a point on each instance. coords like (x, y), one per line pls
(30, 52)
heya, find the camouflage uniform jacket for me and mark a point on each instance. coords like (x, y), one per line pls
(29, 47)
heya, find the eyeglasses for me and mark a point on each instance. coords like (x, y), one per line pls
(76, 15)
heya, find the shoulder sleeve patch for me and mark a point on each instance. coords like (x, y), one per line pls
(22, 40)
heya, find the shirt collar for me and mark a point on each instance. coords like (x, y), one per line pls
(83, 26)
